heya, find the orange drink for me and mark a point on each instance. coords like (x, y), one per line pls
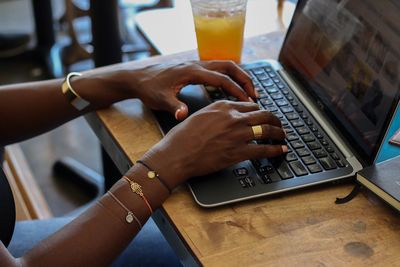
(219, 26)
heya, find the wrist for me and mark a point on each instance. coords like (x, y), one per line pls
(169, 167)
(102, 89)
(155, 192)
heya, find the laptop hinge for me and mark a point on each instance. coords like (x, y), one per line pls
(314, 110)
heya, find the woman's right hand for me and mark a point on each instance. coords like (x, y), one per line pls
(214, 138)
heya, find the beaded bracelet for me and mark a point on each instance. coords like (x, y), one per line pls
(137, 189)
(153, 174)
(129, 216)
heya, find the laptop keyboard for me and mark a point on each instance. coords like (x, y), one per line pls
(310, 149)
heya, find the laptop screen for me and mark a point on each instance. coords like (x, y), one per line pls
(346, 54)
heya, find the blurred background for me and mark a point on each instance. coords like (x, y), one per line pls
(46, 39)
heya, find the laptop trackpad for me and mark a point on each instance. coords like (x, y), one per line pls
(195, 97)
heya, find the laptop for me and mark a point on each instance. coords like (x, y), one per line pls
(335, 89)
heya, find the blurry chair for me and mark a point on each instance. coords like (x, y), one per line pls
(131, 41)
(29, 201)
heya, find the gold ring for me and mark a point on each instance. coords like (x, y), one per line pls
(257, 131)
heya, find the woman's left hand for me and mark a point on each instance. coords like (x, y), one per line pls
(160, 84)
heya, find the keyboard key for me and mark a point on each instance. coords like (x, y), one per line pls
(262, 77)
(281, 103)
(266, 101)
(276, 96)
(281, 86)
(308, 138)
(243, 183)
(292, 116)
(268, 69)
(290, 157)
(272, 90)
(284, 171)
(249, 181)
(314, 168)
(272, 74)
(297, 108)
(298, 168)
(302, 130)
(324, 142)
(278, 114)
(285, 92)
(286, 109)
(240, 172)
(270, 177)
(284, 122)
(340, 163)
(318, 135)
(320, 153)
(309, 122)
(276, 80)
(313, 145)
(313, 129)
(335, 156)
(271, 108)
(297, 123)
(304, 116)
(267, 83)
(327, 163)
(289, 97)
(267, 168)
(297, 144)
(287, 129)
(292, 136)
(258, 71)
(260, 90)
(308, 160)
(329, 149)
(262, 95)
(303, 152)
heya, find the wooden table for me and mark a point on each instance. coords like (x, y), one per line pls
(303, 228)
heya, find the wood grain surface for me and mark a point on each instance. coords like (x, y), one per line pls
(303, 228)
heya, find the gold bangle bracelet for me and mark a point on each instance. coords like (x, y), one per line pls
(129, 216)
(73, 97)
(137, 189)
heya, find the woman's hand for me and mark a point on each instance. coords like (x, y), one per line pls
(160, 84)
(213, 138)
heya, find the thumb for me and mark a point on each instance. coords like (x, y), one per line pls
(179, 109)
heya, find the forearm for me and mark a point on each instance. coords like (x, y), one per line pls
(100, 234)
(30, 109)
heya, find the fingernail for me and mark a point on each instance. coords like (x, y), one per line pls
(251, 99)
(177, 113)
(257, 94)
(285, 149)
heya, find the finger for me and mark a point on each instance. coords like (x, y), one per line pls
(236, 73)
(220, 80)
(262, 117)
(176, 107)
(268, 132)
(244, 107)
(253, 151)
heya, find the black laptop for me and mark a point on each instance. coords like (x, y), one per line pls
(335, 89)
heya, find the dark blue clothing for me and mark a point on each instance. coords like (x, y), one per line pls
(148, 248)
